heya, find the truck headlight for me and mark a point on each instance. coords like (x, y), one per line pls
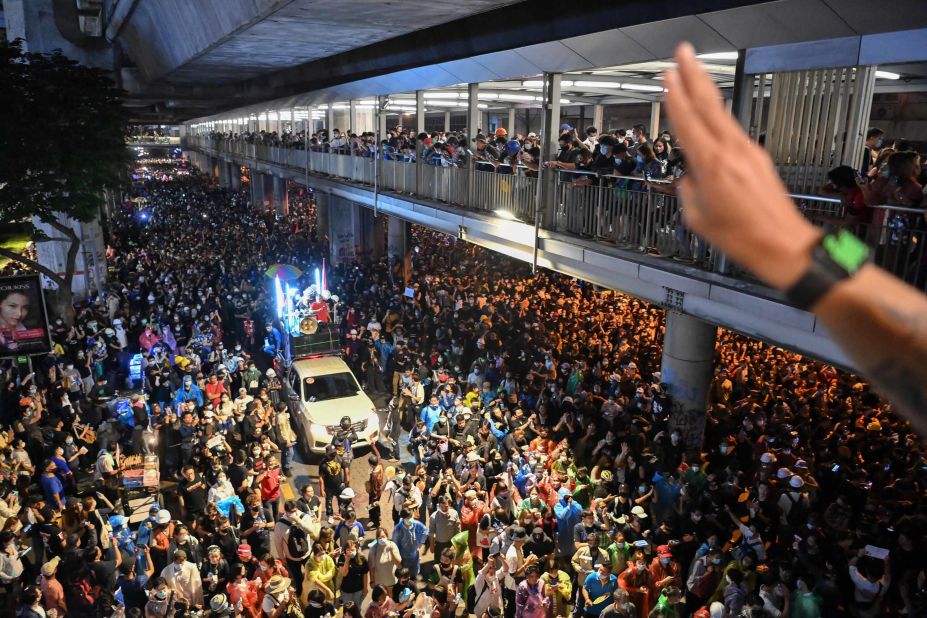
(318, 430)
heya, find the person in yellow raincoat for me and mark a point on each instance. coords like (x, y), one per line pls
(319, 574)
(464, 560)
(558, 588)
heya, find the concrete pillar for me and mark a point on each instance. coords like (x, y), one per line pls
(598, 118)
(268, 198)
(654, 119)
(323, 221)
(419, 111)
(234, 172)
(343, 229)
(352, 117)
(398, 233)
(281, 198)
(552, 117)
(330, 120)
(223, 169)
(382, 124)
(510, 125)
(257, 190)
(447, 122)
(395, 237)
(741, 102)
(473, 112)
(688, 367)
(372, 238)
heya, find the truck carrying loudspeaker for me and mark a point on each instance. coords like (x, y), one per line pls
(325, 340)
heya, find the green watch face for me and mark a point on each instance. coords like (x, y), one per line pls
(846, 249)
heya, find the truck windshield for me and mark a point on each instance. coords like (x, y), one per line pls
(333, 386)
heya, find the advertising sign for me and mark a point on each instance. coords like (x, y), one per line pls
(23, 317)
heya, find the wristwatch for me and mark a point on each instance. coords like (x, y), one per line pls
(836, 257)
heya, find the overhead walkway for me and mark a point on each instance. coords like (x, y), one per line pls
(620, 237)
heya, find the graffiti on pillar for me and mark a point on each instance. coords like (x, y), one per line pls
(689, 422)
(343, 233)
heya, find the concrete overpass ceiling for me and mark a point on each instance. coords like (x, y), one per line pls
(217, 41)
(293, 53)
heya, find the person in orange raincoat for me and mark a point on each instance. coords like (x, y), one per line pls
(637, 582)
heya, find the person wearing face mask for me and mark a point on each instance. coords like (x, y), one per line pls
(383, 559)
(410, 536)
(188, 543)
(664, 570)
(160, 600)
(215, 572)
(319, 575)
(586, 561)
(637, 582)
(183, 578)
(704, 576)
(871, 148)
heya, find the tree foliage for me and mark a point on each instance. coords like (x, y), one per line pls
(62, 141)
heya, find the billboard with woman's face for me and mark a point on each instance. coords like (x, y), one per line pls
(23, 320)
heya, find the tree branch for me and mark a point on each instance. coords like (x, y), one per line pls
(72, 250)
(32, 264)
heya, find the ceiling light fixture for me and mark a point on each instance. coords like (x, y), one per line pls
(887, 75)
(582, 84)
(642, 87)
(728, 55)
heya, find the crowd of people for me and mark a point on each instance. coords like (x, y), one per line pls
(619, 152)
(530, 465)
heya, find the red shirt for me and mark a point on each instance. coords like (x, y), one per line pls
(270, 485)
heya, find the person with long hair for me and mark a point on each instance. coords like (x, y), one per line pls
(14, 308)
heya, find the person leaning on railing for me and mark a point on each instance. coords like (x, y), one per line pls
(735, 200)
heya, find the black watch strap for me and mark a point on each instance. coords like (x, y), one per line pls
(820, 277)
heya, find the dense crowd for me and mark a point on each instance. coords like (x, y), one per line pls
(529, 466)
(621, 151)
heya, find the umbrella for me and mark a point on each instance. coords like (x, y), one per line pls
(284, 271)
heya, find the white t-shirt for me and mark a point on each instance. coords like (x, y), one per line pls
(269, 605)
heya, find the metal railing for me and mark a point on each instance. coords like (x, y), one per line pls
(622, 211)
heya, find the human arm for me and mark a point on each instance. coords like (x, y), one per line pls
(877, 320)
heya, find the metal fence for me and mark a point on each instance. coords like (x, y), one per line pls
(622, 211)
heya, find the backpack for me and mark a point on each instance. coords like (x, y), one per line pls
(473, 597)
(798, 514)
(297, 542)
(82, 597)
